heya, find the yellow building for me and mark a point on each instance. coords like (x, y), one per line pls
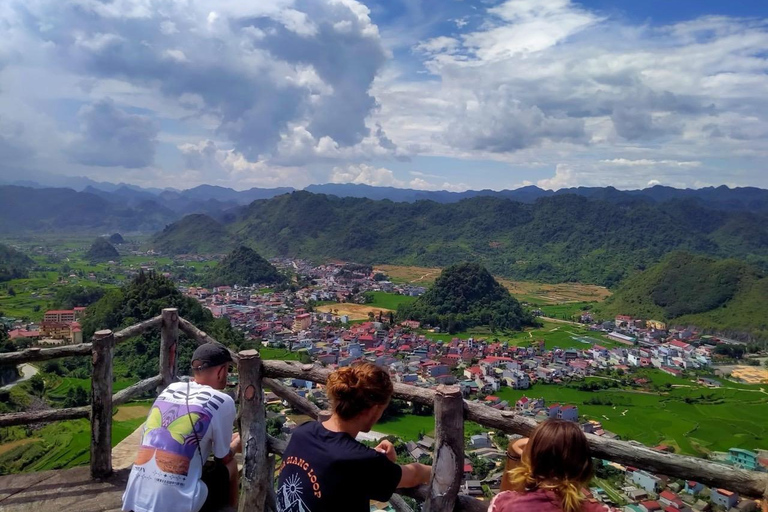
(656, 325)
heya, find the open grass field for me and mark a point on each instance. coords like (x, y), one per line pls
(407, 427)
(555, 335)
(709, 420)
(64, 444)
(64, 384)
(388, 300)
(280, 354)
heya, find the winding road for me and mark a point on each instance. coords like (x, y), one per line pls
(27, 372)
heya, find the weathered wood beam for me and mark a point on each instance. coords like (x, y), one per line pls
(27, 418)
(253, 421)
(169, 341)
(136, 329)
(463, 503)
(135, 390)
(399, 504)
(44, 354)
(275, 445)
(76, 413)
(101, 404)
(299, 403)
(448, 467)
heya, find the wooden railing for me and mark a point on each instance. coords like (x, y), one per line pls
(260, 449)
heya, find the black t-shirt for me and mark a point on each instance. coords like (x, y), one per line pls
(324, 471)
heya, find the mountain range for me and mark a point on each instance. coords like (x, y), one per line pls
(555, 239)
(96, 207)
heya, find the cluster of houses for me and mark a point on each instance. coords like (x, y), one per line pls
(59, 327)
(648, 492)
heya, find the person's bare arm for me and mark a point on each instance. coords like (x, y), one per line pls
(414, 475)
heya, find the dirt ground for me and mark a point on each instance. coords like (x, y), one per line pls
(6, 447)
(750, 374)
(131, 412)
(354, 311)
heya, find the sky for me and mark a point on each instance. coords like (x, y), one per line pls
(426, 94)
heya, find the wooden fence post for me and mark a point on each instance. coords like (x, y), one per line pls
(169, 340)
(253, 423)
(448, 467)
(101, 404)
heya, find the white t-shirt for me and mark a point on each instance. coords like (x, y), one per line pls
(166, 474)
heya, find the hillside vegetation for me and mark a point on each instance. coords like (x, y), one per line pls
(564, 238)
(13, 264)
(144, 298)
(725, 296)
(194, 234)
(245, 267)
(466, 295)
(101, 250)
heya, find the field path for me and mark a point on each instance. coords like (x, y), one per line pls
(560, 321)
(27, 372)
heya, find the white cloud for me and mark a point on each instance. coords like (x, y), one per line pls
(365, 174)
(205, 162)
(383, 177)
(564, 177)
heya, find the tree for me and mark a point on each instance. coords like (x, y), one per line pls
(37, 385)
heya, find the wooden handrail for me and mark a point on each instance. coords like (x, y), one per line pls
(81, 349)
(48, 415)
(44, 354)
(141, 387)
(747, 483)
(264, 373)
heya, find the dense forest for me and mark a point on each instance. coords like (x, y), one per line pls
(244, 267)
(463, 296)
(144, 298)
(194, 234)
(13, 264)
(726, 296)
(101, 250)
(556, 239)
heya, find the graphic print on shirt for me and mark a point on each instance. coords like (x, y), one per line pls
(174, 427)
(290, 495)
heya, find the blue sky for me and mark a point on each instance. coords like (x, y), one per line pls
(428, 94)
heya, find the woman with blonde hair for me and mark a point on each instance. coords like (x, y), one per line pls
(555, 464)
(325, 469)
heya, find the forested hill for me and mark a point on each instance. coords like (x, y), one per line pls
(141, 299)
(463, 296)
(245, 267)
(725, 296)
(555, 239)
(13, 264)
(194, 234)
(101, 250)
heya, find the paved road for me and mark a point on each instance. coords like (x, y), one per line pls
(27, 372)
